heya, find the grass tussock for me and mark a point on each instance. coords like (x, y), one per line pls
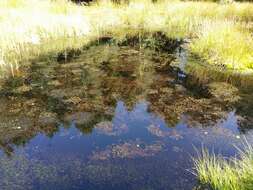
(226, 174)
(220, 33)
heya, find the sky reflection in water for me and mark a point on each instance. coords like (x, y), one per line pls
(119, 127)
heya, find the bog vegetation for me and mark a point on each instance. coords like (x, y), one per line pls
(219, 33)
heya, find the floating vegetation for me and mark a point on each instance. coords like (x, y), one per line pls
(224, 92)
(155, 130)
(108, 128)
(128, 150)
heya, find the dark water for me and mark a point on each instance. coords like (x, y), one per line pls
(115, 118)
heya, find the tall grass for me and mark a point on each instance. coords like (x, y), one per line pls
(34, 28)
(224, 43)
(226, 174)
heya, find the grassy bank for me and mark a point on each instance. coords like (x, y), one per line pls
(220, 34)
(222, 174)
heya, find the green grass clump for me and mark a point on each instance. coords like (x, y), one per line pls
(226, 174)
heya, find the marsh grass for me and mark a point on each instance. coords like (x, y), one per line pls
(203, 73)
(225, 43)
(226, 174)
(33, 29)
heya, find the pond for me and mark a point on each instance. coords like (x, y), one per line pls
(116, 117)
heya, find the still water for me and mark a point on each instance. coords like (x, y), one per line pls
(114, 118)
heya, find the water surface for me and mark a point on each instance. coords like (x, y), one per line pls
(114, 118)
